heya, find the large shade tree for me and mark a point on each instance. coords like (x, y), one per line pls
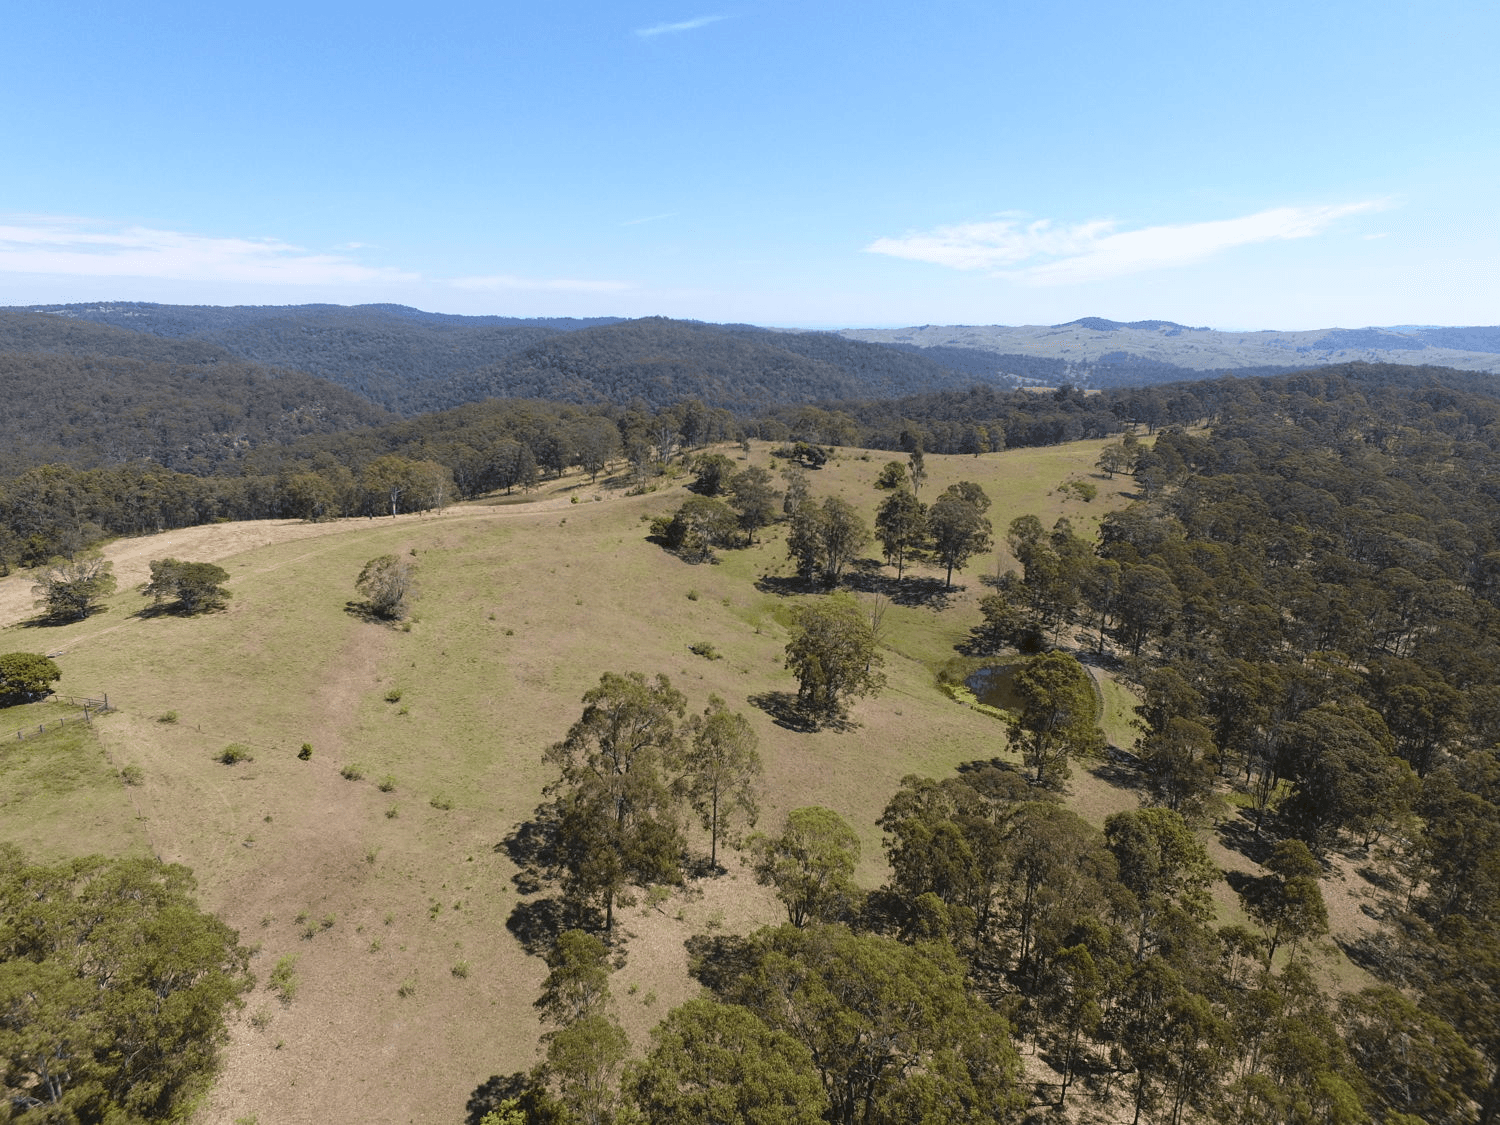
(618, 819)
(833, 655)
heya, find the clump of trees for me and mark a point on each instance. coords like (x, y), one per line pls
(825, 538)
(628, 770)
(187, 588)
(114, 989)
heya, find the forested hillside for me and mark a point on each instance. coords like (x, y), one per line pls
(390, 354)
(93, 411)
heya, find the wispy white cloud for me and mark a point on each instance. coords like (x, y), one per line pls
(86, 248)
(674, 28)
(648, 219)
(1041, 252)
(507, 282)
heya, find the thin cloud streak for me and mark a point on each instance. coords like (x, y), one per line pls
(508, 282)
(82, 248)
(1043, 253)
(675, 28)
(648, 219)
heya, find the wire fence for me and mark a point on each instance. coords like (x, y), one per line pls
(88, 707)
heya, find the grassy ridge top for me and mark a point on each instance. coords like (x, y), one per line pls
(521, 607)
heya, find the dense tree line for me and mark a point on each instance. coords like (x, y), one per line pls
(1305, 599)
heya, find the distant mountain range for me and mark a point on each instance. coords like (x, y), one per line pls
(411, 362)
(1099, 352)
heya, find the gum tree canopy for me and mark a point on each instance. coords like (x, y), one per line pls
(28, 675)
(114, 986)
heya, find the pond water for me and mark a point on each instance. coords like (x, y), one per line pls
(994, 686)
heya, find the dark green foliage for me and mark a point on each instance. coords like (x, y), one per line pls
(27, 675)
(824, 538)
(958, 527)
(894, 1033)
(71, 589)
(1057, 717)
(1287, 903)
(617, 815)
(718, 1062)
(753, 499)
(187, 588)
(833, 655)
(719, 772)
(893, 475)
(1164, 867)
(701, 524)
(811, 864)
(114, 988)
(711, 474)
(900, 525)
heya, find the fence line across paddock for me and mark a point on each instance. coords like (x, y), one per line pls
(88, 707)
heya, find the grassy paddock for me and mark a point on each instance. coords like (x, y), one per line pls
(521, 607)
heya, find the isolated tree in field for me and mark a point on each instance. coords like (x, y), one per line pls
(917, 470)
(1056, 715)
(832, 653)
(194, 587)
(114, 988)
(797, 488)
(387, 582)
(900, 525)
(619, 820)
(716, 1062)
(719, 772)
(27, 675)
(711, 474)
(893, 475)
(700, 525)
(71, 589)
(958, 526)
(811, 864)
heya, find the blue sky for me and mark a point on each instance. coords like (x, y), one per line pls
(1276, 165)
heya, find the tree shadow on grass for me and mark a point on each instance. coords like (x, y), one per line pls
(786, 585)
(52, 621)
(921, 593)
(363, 611)
(1119, 769)
(786, 711)
(717, 962)
(537, 923)
(1238, 835)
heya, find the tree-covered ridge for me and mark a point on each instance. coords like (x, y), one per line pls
(1306, 600)
(741, 369)
(412, 362)
(392, 355)
(97, 410)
